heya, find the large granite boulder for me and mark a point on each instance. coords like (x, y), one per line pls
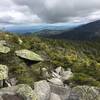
(29, 55)
(3, 72)
(4, 49)
(85, 93)
(42, 90)
(21, 90)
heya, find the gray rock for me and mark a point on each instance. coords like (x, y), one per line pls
(56, 81)
(56, 75)
(62, 91)
(1, 98)
(42, 90)
(27, 54)
(66, 75)
(59, 70)
(45, 73)
(54, 97)
(20, 41)
(4, 49)
(85, 93)
(13, 81)
(3, 72)
(3, 42)
(22, 89)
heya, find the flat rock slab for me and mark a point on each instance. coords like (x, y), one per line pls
(30, 55)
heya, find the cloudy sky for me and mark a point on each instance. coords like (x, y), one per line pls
(48, 11)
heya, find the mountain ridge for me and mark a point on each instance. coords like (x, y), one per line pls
(90, 31)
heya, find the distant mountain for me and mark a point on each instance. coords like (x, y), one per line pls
(40, 27)
(46, 32)
(90, 31)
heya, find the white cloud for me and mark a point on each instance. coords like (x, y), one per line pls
(50, 11)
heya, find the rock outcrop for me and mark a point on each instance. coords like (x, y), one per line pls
(29, 55)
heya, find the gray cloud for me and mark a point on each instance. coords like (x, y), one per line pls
(50, 11)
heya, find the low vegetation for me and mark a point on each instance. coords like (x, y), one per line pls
(83, 57)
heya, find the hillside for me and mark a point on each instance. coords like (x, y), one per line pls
(82, 57)
(90, 31)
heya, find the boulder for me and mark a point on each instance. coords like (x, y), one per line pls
(62, 91)
(29, 55)
(54, 97)
(13, 81)
(56, 81)
(4, 49)
(84, 93)
(42, 90)
(23, 90)
(59, 70)
(45, 73)
(11, 97)
(3, 42)
(3, 72)
(66, 75)
(20, 41)
(26, 92)
(55, 75)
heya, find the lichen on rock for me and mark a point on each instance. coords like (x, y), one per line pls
(27, 54)
(3, 72)
(26, 91)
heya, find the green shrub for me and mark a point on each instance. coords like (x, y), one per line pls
(83, 79)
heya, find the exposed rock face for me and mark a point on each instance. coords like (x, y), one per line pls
(23, 90)
(42, 89)
(3, 72)
(4, 49)
(84, 93)
(29, 55)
